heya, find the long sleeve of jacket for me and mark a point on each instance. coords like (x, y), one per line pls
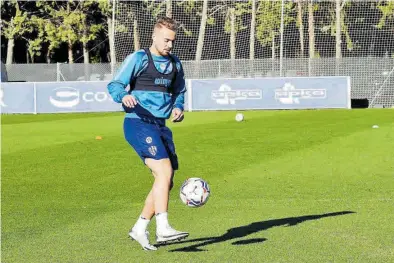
(129, 69)
(179, 87)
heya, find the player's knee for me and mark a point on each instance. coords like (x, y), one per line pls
(165, 173)
(161, 169)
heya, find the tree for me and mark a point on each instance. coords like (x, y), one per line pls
(61, 24)
(252, 30)
(387, 19)
(158, 9)
(335, 24)
(34, 46)
(106, 7)
(88, 30)
(338, 8)
(76, 27)
(169, 8)
(311, 29)
(300, 25)
(234, 23)
(196, 9)
(18, 25)
(340, 27)
(269, 21)
(201, 32)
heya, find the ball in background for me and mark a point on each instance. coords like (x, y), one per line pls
(239, 117)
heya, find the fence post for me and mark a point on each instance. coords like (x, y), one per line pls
(113, 54)
(35, 98)
(57, 71)
(189, 95)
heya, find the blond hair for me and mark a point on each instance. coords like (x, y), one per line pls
(167, 22)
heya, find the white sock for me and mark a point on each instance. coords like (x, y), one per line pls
(162, 221)
(141, 225)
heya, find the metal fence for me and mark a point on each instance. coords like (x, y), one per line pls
(370, 77)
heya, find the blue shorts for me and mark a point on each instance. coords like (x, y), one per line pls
(150, 139)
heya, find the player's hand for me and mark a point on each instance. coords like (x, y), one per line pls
(129, 101)
(177, 115)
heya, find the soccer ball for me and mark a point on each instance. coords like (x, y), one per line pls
(194, 192)
(239, 117)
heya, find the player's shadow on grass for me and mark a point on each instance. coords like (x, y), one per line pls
(243, 231)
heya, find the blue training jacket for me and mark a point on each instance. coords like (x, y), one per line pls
(155, 102)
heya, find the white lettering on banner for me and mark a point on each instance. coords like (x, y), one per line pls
(288, 94)
(226, 95)
(99, 96)
(67, 97)
(2, 104)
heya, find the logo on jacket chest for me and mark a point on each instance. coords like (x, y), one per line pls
(163, 82)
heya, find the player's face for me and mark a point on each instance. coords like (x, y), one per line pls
(163, 40)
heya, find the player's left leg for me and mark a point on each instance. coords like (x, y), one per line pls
(163, 173)
(167, 233)
(139, 232)
(148, 211)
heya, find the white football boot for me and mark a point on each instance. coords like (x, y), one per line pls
(169, 234)
(143, 239)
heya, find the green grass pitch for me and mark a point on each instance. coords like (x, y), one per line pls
(287, 186)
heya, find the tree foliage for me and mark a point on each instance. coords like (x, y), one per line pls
(269, 19)
(48, 25)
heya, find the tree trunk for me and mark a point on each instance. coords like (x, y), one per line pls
(232, 41)
(70, 44)
(169, 8)
(252, 38)
(136, 35)
(27, 55)
(301, 27)
(70, 52)
(48, 56)
(232, 34)
(10, 51)
(252, 30)
(31, 56)
(311, 28)
(11, 42)
(201, 34)
(338, 51)
(111, 41)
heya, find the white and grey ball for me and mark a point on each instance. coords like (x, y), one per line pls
(239, 117)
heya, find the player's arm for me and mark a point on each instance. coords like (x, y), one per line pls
(127, 71)
(179, 89)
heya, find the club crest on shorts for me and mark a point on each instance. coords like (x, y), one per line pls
(148, 139)
(152, 150)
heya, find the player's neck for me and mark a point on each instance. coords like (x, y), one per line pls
(155, 52)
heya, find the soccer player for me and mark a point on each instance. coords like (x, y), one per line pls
(157, 88)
